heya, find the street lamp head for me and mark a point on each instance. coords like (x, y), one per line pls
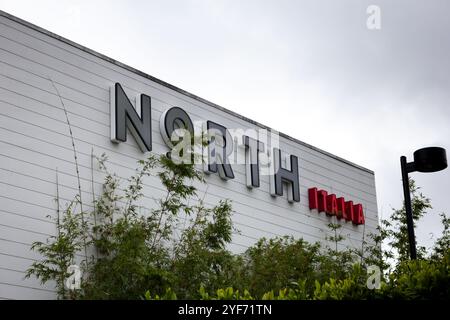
(430, 159)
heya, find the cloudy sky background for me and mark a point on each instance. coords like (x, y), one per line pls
(310, 69)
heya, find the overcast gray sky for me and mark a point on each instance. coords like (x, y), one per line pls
(310, 69)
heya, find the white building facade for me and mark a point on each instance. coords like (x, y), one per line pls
(37, 68)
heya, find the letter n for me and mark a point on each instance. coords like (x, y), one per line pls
(124, 115)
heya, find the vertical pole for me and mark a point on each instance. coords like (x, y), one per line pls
(408, 209)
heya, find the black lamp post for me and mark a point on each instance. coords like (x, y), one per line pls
(430, 159)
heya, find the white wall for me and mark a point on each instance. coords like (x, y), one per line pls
(35, 140)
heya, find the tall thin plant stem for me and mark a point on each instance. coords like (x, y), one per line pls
(363, 239)
(58, 223)
(58, 226)
(93, 193)
(76, 162)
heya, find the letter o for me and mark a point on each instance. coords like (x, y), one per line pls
(173, 119)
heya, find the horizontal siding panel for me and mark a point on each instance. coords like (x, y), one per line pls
(26, 223)
(17, 292)
(36, 100)
(18, 249)
(46, 67)
(15, 263)
(79, 118)
(13, 277)
(26, 209)
(16, 234)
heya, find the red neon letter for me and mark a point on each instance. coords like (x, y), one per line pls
(341, 207)
(322, 200)
(332, 207)
(348, 213)
(358, 214)
(313, 200)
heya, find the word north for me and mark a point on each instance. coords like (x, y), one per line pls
(261, 153)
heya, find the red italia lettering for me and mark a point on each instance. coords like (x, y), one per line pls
(334, 206)
(313, 200)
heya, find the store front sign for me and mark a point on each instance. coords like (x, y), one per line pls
(221, 144)
(321, 201)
